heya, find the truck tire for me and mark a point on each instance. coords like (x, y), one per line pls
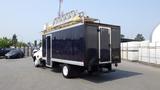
(42, 63)
(34, 58)
(67, 71)
(37, 63)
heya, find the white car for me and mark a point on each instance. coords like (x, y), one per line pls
(37, 57)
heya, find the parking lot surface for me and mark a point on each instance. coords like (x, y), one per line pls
(20, 74)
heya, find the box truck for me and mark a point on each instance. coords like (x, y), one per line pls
(80, 44)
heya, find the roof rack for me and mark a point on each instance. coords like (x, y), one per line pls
(68, 19)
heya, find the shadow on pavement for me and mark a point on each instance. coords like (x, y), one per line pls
(56, 70)
(118, 74)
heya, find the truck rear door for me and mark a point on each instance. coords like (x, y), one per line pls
(104, 43)
(109, 44)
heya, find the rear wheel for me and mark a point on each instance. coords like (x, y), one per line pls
(67, 71)
(92, 69)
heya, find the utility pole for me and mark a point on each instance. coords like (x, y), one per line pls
(60, 7)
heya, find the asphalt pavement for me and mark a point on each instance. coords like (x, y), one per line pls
(20, 74)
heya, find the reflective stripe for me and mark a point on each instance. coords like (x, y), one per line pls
(68, 61)
(105, 62)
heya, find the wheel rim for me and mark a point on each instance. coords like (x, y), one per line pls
(65, 70)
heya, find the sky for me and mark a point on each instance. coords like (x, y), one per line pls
(26, 18)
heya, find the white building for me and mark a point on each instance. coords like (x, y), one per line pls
(156, 35)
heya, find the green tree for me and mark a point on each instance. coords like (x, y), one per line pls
(21, 44)
(14, 40)
(5, 42)
(139, 37)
